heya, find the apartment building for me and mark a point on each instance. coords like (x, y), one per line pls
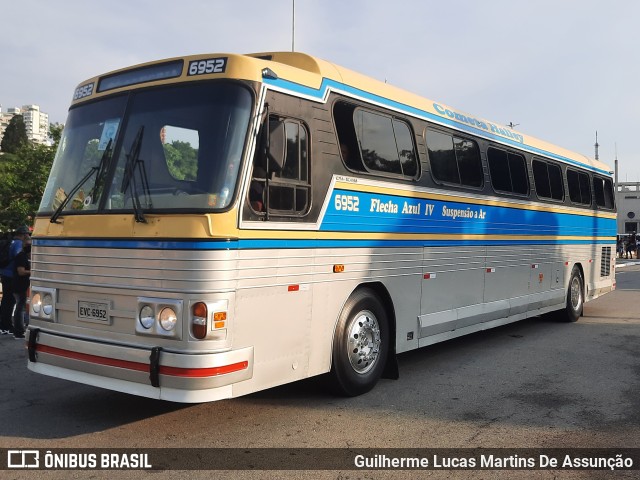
(35, 121)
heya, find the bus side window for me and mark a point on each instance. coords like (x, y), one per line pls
(375, 142)
(288, 182)
(349, 149)
(454, 160)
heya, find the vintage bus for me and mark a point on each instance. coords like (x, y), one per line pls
(219, 224)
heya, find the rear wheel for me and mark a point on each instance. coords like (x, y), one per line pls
(575, 296)
(360, 345)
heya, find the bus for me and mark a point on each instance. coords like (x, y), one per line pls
(218, 224)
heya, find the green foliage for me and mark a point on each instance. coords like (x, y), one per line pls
(24, 176)
(15, 135)
(55, 132)
(182, 160)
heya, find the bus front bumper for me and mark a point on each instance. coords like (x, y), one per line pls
(148, 372)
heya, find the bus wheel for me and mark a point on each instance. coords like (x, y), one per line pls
(360, 345)
(575, 296)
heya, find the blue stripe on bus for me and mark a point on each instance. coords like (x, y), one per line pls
(252, 244)
(327, 84)
(364, 212)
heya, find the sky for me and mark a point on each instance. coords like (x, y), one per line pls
(559, 69)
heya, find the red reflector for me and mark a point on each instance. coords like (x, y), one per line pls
(144, 367)
(491, 270)
(428, 276)
(203, 372)
(293, 288)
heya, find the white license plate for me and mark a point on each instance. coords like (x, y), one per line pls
(93, 311)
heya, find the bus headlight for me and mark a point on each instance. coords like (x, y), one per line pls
(36, 303)
(47, 304)
(146, 317)
(43, 303)
(159, 317)
(168, 319)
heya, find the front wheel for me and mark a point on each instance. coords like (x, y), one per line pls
(575, 296)
(360, 344)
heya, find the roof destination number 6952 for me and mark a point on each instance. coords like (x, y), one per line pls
(211, 65)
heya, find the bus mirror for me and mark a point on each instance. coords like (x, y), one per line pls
(276, 145)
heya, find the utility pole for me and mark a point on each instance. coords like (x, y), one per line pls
(293, 27)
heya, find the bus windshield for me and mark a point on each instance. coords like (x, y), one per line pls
(160, 149)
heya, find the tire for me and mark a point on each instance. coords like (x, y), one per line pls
(575, 296)
(360, 345)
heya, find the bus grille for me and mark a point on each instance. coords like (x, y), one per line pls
(605, 262)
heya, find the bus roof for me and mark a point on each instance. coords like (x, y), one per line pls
(304, 75)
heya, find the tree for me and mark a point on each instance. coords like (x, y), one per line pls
(55, 132)
(182, 160)
(15, 135)
(24, 176)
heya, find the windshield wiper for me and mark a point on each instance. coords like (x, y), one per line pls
(101, 168)
(128, 180)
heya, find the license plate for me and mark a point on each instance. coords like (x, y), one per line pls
(93, 311)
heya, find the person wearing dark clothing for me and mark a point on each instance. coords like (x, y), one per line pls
(632, 244)
(6, 276)
(21, 275)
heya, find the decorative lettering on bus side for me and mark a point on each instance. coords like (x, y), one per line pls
(474, 122)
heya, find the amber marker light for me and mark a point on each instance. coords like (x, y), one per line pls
(219, 319)
(338, 268)
(199, 320)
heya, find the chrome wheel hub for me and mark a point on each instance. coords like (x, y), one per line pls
(363, 346)
(576, 294)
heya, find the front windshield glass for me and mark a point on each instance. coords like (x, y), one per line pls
(175, 148)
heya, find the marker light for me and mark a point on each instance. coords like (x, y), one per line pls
(199, 320)
(219, 319)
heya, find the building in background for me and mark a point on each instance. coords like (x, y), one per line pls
(628, 205)
(35, 121)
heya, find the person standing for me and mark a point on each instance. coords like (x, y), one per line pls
(6, 276)
(21, 275)
(633, 244)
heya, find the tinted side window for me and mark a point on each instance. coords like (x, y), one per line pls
(374, 142)
(603, 191)
(469, 163)
(508, 171)
(555, 181)
(519, 176)
(454, 160)
(377, 142)
(499, 169)
(548, 180)
(579, 189)
(442, 156)
(406, 151)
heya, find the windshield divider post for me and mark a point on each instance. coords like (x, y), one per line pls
(265, 131)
